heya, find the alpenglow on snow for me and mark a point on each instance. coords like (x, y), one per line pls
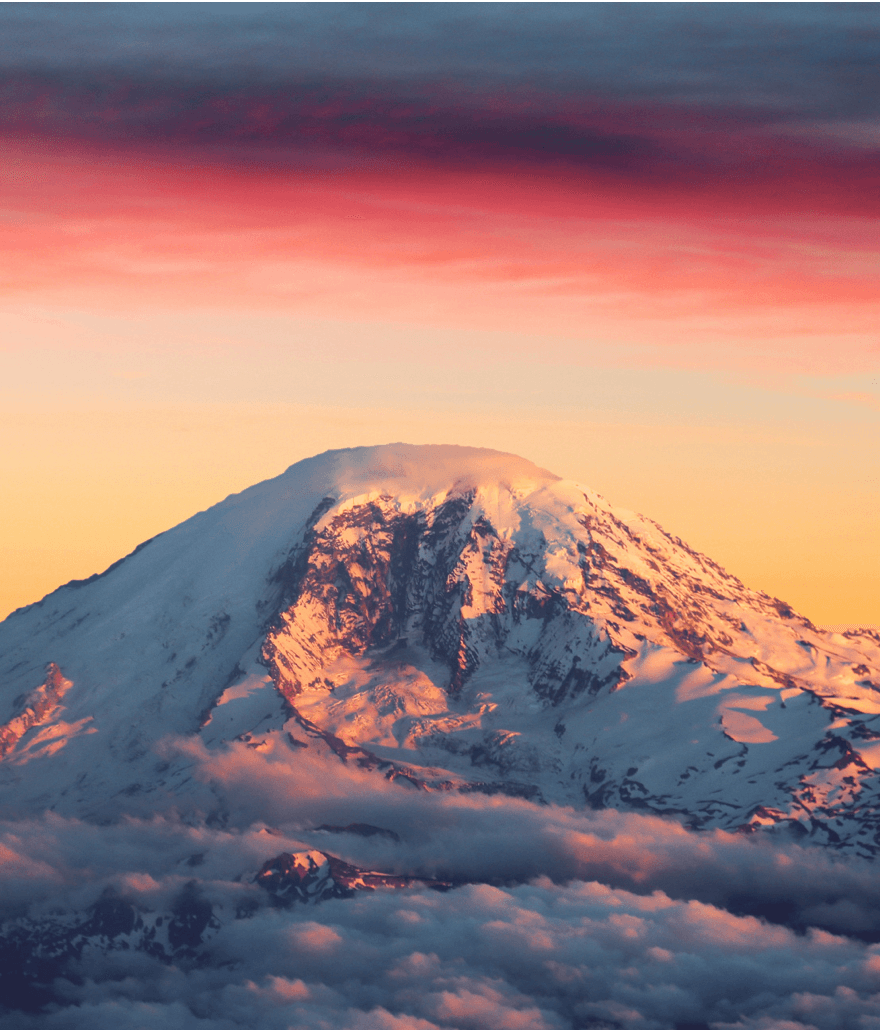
(454, 619)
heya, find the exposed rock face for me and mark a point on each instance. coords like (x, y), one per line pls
(312, 876)
(443, 579)
(34, 708)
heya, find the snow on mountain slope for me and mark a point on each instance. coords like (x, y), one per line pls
(455, 618)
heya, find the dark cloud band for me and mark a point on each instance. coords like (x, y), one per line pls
(732, 152)
(729, 98)
(800, 59)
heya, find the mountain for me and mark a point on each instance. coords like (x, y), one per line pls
(33, 952)
(452, 619)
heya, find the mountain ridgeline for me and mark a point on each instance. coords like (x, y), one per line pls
(456, 619)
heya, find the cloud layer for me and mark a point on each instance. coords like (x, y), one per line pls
(817, 59)
(562, 918)
(676, 98)
(693, 188)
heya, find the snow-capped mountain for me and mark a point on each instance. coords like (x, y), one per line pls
(453, 618)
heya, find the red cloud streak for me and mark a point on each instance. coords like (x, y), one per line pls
(760, 249)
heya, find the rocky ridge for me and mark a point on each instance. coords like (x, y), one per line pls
(34, 952)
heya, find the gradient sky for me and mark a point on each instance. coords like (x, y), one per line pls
(635, 243)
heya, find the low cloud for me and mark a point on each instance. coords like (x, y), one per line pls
(505, 841)
(561, 918)
(533, 957)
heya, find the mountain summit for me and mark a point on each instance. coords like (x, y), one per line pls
(455, 619)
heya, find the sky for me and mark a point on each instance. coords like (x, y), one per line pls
(634, 243)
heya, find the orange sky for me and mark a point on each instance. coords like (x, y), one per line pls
(673, 300)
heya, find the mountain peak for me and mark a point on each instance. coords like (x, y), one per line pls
(418, 470)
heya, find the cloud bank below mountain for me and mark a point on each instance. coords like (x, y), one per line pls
(562, 919)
